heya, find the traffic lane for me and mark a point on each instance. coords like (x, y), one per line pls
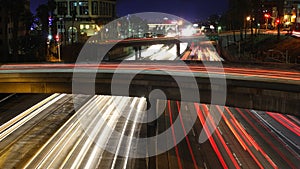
(269, 141)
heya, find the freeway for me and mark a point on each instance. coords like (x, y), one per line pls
(52, 134)
(159, 52)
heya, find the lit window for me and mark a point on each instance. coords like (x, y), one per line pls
(83, 8)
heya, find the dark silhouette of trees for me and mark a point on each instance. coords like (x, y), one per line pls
(43, 12)
(239, 10)
(280, 6)
(43, 15)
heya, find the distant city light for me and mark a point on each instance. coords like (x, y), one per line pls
(57, 38)
(189, 31)
(50, 37)
(50, 21)
(180, 22)
(174, 22)
(266, 16)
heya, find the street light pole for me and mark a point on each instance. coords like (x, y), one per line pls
(58, 50)
(267, 16)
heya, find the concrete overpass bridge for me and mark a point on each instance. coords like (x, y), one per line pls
(247, 86)
(96, 44)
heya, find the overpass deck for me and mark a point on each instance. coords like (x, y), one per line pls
(246, 87)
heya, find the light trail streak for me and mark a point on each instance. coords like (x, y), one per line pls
(66, 130)
(140, 109)
(132, 65)
(267, 140)
(122, 136)
(95, 125)
(15, 123)
(229, 153)
(267, 73)
(274, 129)
(186, 137)
(297, 121)
(240, 140)
(173, 133)
(285, 122)
(253, 142)
(211, 140)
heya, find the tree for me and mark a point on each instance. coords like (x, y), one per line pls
(51, 7)
(238, 10)
(28, 19)
(43, 15)
(280, 5)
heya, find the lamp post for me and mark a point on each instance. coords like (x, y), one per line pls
(247, 19)
(57, 39)
(267, 16)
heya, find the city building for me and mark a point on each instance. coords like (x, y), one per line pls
(291, 12)
(7, 20)
(80, 19)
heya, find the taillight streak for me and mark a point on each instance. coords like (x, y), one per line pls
(173, 134)
(211, 140)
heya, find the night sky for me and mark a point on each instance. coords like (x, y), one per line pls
(187, 9)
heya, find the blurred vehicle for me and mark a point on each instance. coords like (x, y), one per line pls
(148, 35)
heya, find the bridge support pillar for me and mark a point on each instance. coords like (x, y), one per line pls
(138, 52)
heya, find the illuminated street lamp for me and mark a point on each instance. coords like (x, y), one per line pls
(248, 18)
(267, 16)
(57, 39)
(180, 22)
